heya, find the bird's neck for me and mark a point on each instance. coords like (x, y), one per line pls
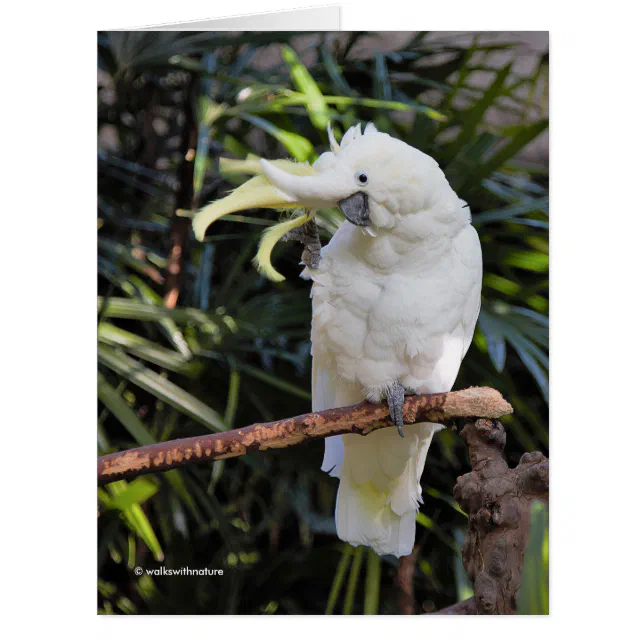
(388, 251)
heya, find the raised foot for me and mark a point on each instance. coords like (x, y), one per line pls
(309, 237)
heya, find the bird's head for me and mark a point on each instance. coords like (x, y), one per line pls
(377, 182)
(374, 179)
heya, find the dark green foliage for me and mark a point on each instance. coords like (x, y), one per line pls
(236, 348)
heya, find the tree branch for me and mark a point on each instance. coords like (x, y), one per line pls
(405, 582)
(476, 402)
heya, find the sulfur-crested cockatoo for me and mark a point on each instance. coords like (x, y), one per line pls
(396, 295)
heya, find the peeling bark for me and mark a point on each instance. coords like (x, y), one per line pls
(358, 419)
(497, 500)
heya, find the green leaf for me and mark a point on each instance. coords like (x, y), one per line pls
(294, 98)
(501, 284)
(500, 323)
(335, 72)
(463, 586)
(126, 255)
(534, 590)
(166, 391)
(473, 117)
(124, 308)
(136, 520)
(296, 145)
(233, 398)
(528, 260)
(168, 326)
(315, 106)
(275, 381)
(175, 478)
(510, 149)
(372, 584)
(352, 585)
(125, 414)
(140, 433)
(430, 524)
(206, 107)
(136, 492)
(495, 340)
(509, 213)
(340, 573)
(146, 349)
(382, 83)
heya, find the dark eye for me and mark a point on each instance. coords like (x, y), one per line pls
(362, 178)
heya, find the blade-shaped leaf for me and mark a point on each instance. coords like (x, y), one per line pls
(315, 106)
(126, 415)
(534, 591)
(354, 574)
(153, 383)
(136, 492)
(372, 584)
(338, 580)
(146, 349)
(296, 145)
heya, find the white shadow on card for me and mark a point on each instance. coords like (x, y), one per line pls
(313, 19)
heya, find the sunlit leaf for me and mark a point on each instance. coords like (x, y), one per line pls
(304, 82)
(296, 145)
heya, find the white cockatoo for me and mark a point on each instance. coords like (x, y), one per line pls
(396, 295)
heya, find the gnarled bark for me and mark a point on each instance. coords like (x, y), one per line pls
(497, 500)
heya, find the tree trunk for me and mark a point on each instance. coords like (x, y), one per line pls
(497, 500)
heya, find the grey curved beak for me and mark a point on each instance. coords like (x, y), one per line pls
(356, 209)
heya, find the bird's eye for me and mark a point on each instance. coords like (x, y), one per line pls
(362, 178)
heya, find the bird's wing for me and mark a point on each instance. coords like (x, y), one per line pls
(468, 250)
(456, 320)
(323, 394)
(328, 393)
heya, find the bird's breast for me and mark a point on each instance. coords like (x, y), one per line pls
(370, 306)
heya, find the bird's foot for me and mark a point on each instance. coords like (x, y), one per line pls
(309, 237)
(395, 400)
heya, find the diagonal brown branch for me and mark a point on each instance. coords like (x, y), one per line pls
(476, 402)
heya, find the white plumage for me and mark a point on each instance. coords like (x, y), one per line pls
(396, 296)
(398, 306)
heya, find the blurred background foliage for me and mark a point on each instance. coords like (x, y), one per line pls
(235, 348)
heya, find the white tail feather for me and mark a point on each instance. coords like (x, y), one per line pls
(379, 491)
(379, 474)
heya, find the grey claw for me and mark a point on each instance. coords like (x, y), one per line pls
(308, 236)
(395, 400)
(311, 257)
